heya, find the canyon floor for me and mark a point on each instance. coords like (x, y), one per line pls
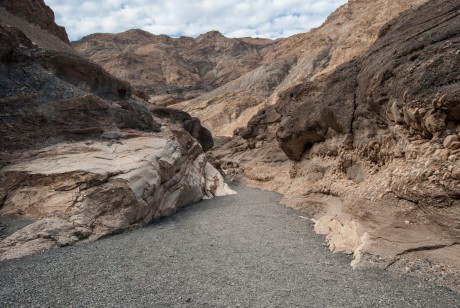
(242, 250)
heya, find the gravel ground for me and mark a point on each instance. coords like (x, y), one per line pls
(237, 251)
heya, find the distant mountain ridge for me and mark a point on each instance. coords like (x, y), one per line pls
(181, 67)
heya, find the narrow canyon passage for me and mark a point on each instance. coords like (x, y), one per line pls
(242, 250)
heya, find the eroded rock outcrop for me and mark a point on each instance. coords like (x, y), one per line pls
(38, 13)
(189, 123)
(225, 82)
(79, 157)
(85, 190)
(346, 34)
(370, 149)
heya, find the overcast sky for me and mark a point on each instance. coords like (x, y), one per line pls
(234, 18)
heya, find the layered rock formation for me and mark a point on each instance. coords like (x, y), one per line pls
(225, 82)
(347, 33)
(173, 69)
(79, 158)
(371, 149)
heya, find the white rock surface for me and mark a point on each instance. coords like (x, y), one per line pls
(82, 191)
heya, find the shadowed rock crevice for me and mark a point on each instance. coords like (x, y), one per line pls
(189, 123)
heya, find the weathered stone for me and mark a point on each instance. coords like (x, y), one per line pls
(395, 113)
(186, 68)
(190, 124)
(8, 42)
(245, 74)
(456, 170)
(371, 134)
(435, 122)
(451, 142)
(102, 189)
(38, 13)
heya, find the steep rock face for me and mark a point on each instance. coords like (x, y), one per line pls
(38, 13)
(373, 148)
(346, 34)
(79, 158)
(173, 69)
(8, 40)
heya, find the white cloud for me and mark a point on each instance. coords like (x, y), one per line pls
(234, 18)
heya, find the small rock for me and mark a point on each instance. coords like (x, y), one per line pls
(435, 122)
(456, 171)
(444, 154)
(455, 145)
(450, 141)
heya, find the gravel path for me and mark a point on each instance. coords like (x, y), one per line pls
(243, 250)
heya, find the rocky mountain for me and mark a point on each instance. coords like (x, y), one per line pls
(79, 157)
(173, 69)
(224, 82)
(348, 32)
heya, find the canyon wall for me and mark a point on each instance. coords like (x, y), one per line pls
(371, 149)
(80, 158)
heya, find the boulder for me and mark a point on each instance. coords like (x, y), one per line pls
(189, 123)
(82, 191)
(451, 142)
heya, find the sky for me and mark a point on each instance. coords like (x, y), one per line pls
(233, 18)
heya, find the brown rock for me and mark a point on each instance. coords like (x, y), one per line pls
(451, 142)
(36, 12)
(456, 170)
(370, 134)
(162, 65)
(191, 125)
(435, 122)
(259, 69)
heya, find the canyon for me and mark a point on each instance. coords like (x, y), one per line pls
(356, 123)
